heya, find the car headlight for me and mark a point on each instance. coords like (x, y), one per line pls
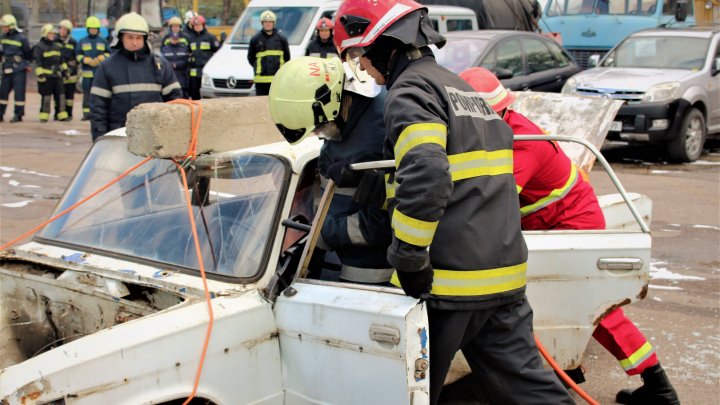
(570, 86)
(206, 80)
(661, 92)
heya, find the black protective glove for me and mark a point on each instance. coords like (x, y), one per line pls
(417, 284)
(371, 189)
(341, 174)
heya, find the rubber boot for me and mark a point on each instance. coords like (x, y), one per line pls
(85, 117)
(16, 118)
(656, 390)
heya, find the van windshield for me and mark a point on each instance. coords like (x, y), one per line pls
(659, 53)
(293, 22)
(614, 7)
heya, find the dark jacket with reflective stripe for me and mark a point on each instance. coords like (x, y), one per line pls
(92, 47)
(48, 59)
(178, 56)
(267, 53)
(122, 83)
(166, 40)
(202, 47)
(68, 51)
(359, 234)
(452, 187)
(321, 49)
(16, 53)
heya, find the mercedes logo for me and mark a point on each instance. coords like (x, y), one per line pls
(232, 82)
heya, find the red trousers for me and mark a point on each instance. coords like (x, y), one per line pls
(624, 340)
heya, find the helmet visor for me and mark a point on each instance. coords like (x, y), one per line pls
(291, 135)
(355, 69)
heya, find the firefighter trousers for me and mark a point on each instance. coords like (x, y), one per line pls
(499, 346)
(69, 97)
(86, 86)
(52, 88)
(623, 339)
(15, 82)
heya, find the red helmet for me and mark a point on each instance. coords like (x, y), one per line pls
(358, 23)
(324, 24)
(198, 19)
(489, 87)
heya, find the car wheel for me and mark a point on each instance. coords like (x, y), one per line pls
(688, 143)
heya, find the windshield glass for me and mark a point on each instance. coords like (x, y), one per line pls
(293, 22)
(144, 216)
(659, 52)
(459, 53)
(614, 7)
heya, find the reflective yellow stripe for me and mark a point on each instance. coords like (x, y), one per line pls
(86, 47)
(101, 47)
(62, 115)
(389, 187)
(6, 41)
(413, 231)
(86, 109)
(69, 46)
(554, 195)
(263, 79)
(101, 92)
(418, 134)
(204, 46)
(44, 115)
(50, 53)
(476, 282)
(519, 189)
(43, 71)
(272, 52)
(135, 87)
(638, 357)
(87, 74)
(480, 163)
(193, 72)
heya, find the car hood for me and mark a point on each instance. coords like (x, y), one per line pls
(637, 79)
(230, 60)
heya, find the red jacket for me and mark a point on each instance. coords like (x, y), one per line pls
(553, 192)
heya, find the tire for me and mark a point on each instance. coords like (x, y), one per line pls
(688, 143)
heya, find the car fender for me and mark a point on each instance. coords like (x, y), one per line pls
(695, 94)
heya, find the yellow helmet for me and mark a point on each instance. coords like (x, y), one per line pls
(267, 15)
(92, 22)
(8, 20)
(67, 24)
(174, 21)
(46, 29)
(305, 93)
(132, 22)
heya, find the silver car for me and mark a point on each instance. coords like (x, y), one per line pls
(669, 79)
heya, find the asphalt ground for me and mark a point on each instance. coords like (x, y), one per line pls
(680, 315)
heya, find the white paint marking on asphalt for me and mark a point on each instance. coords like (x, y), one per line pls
(705, 163)
(665, 287)
(665, 171)
(18, 204)
(30, 186)
(14, 183)
(717, 228)
(5, 175)
(12, 169)
(658, 299)
(662, 273)
(72, 132)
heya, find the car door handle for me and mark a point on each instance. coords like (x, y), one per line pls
(384, 334)
(619, 263)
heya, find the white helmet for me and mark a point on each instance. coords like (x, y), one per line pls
(189, 15)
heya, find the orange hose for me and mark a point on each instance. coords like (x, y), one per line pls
(584, 395)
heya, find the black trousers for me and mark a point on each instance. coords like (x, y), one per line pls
(69, 96)
(52, 88)
(15, 82)
(194, 87)
(262, 89)
(86, 86)
(498, 344)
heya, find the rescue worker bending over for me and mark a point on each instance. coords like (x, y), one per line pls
(202, 47)
(351, 123)
(268, 51)
(322, 45)
(131, 77)
(554, 194)
(51, 70)
(455, 215)
(177, 54)
(68, 45)
(15, 57)
(90, 52)
(175, 25)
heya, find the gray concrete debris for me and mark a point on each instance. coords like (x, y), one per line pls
(162, 130)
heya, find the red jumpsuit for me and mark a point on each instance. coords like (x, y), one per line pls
(555, 195)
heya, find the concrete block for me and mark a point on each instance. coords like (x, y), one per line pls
(162, 130)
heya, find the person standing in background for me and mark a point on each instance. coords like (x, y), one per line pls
(322, 46)
(177, 54)
(15, 57)
(268, 51)
(51, 69)
(203, 46)
(90, 52)
(68, 45)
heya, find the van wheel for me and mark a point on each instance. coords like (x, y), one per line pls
(688, 143)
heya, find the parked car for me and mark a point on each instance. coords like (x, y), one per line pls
(522, 60)
(669, 80)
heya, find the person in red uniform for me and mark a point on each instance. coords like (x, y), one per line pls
(554, 194)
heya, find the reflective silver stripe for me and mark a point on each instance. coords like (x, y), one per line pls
(101, 92)
(354, 232)
(129, 88)
(169, 88)
(346, 191)
(361, 275)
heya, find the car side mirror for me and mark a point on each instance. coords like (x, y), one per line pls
(681, 10)
(593, 60)
(716, 67)
(502, 73)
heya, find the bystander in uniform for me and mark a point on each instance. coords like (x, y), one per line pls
(90, 52)
(15, 57)
(268, 51)
(50, 70)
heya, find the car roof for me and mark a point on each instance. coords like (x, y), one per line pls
(453, 10)
(488, 34)
(698, 31)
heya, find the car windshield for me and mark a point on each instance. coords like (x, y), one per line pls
(660, 52)
(460, 53)
(144, 217)
(614, 7)
(293, 22)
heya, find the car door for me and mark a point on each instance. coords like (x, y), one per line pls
(506, 57)
(543, 74)
(713, 89)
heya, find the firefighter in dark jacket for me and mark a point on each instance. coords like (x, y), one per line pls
(15, 57)
(50, 69)
(203, 45)
(68, 44)
(131, 76)
(268, 51)
(177, 54)
(322, 45)
(352, 126)
(187, 29)
(455, 215)
(175, 25)
(90, 52)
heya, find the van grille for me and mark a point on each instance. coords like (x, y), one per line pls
(581, 55)
(240, 84)
(626, 95)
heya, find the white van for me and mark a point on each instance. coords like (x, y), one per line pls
(228, 72)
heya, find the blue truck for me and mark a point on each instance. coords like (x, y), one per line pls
(589, 27)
